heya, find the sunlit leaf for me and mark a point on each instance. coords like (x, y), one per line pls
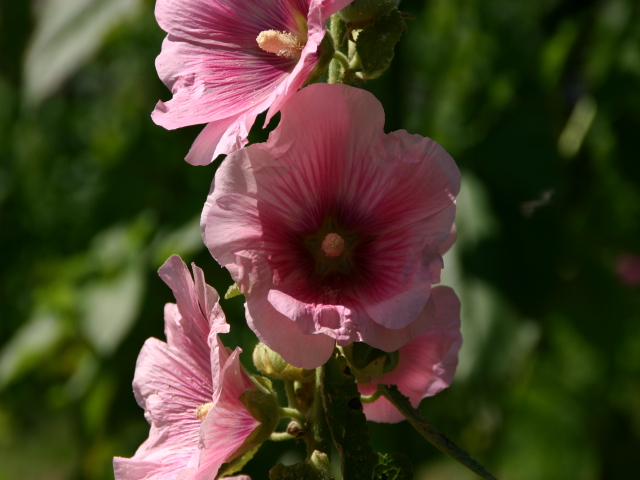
(109, 307)
(67, 34)
(29, 345)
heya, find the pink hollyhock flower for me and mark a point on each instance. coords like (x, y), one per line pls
(628, 269)
(333, 229)
(189, 388)
(426, 364)
(227, 61)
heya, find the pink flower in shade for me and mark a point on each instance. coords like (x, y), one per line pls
(227, 61)
(333, 229)
(426, 364)
(178, 382)
(628, 269)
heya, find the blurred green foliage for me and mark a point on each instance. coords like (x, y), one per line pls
(539, 102)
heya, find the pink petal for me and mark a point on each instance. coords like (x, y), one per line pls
(228, 424)
(329, 7)
(285, 337)
(169, 385)
(188, 330)
(427, 363)
(390, 340)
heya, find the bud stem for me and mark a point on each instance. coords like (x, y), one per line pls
(291, 394)
(286, 412)
(371, 398)
(280, 437)
(342, 58)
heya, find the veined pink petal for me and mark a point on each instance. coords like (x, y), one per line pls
(329, 169)
(219, 75)
(427, 363)
(228, 424)
(285, 337)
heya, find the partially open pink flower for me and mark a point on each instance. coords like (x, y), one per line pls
(426, 364)
(333, 229)
(227, 61)
(189, 388)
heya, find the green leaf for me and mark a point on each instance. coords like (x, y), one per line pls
(346, 420)
(376, 42)
(299, 471)
(232, 291)
(442, 443)
(393, 466)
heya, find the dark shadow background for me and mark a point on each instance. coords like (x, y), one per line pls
(539, 103)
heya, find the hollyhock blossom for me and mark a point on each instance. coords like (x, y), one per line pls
(333, 229)
(189, 388)
(227, 61)
(426, 364)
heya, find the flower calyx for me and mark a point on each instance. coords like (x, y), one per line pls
(262, 404)
(274, 366)
(326, 51)
(368, 361)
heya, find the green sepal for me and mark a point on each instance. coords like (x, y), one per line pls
(370, 361)
(375, 43)
(238, 464)
(346, 419)
(232, 291)
(393, 466)
(262, 404)
(326, 50)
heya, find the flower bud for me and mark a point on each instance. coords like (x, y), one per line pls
(361, 11)
(369, 361)
(274, 366)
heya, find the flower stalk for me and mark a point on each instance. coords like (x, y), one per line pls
(428, 431)
(319, 435)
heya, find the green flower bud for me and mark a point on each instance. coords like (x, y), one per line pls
(274, 366)
(369, 361)
(362, 11)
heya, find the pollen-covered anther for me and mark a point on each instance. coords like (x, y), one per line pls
(333, 245)
(282, 44)
(202, 410)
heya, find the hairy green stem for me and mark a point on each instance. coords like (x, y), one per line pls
(420, 423)
(338, 32)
